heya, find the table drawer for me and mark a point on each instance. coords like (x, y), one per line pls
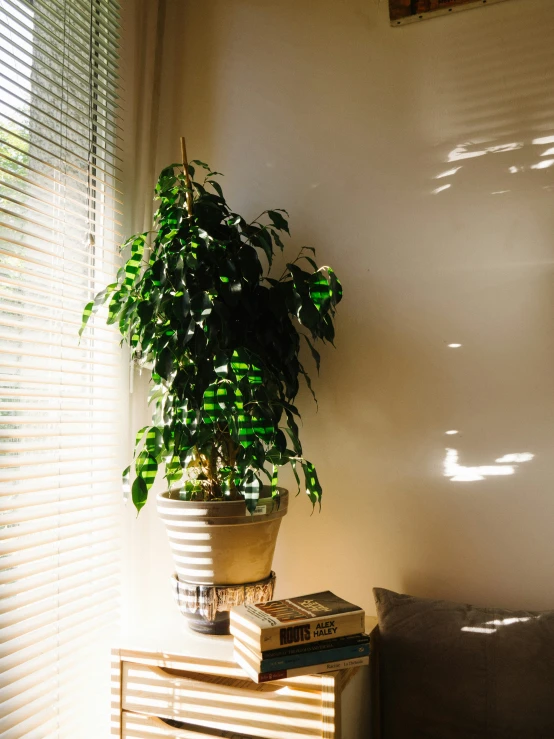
(140, 726)
(271, 711)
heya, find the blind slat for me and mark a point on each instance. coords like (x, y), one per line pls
(45, 602)
(31, 645)
(72, 171)
(28, 22)
(48, 97)
(47, 567)
(68, 21)
(88, 225)
(74, 77)
(77, 152)
(18, 291)
(64, 382)
(20, 105)
(74, 87)
(36, 280)
(70, 325)
(46, 265)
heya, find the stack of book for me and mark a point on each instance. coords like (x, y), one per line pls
(299, 636)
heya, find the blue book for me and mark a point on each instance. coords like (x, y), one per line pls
(294, 661)
(312, 646)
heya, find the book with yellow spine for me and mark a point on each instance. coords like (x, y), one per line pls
(283, 623)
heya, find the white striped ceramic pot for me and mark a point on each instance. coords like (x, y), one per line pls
(221, 543)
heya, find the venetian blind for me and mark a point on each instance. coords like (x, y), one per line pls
(60, 205)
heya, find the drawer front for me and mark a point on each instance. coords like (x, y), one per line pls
(139, 726)
(269, 711)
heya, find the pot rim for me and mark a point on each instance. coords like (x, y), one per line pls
(222, 512)
(165, 495)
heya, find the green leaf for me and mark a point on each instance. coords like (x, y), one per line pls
(295, 473)
(181, 307)
(320, 291)
(139, 436)
(191, 419)
(87, 312)
(263, 240)
(139, 493)
(154, 441)
(245, 427)
(336, 287)
(280, 441)
(309, 260)
(174, 470)
(149, 471)
(250, 489)
(308, 315)
(115, 306)
(309, 384)
(164, 364)
(146, 467)
(93, 306)
(294, 440)
(221, 396)
(263, 429)
(250, 264)
(274, 480)
(278, 221)
(313, 488)
(132, 267)
(217, 187)
(240, 363)
(315, 354)
(277, 240)
(221, 365)
(254, 375)
(145, 311)
(159, 272)
(192, 489)
(201, 306)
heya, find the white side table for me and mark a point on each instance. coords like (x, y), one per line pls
(197, 691)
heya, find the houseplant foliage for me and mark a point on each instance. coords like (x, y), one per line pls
(223, 339)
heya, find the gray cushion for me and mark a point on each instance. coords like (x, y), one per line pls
(455, 671)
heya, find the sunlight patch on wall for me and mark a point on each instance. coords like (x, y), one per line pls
(544, 140)
(515, 458)
(461, 152)
(441, 189)
(545, 164)
(448, 173)
(461, 473)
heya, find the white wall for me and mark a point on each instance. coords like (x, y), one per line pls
(318, 106)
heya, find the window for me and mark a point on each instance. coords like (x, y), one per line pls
(59, 399)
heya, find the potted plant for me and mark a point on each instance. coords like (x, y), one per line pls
(222, 335)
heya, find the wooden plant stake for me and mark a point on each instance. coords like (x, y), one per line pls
(187, 176)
